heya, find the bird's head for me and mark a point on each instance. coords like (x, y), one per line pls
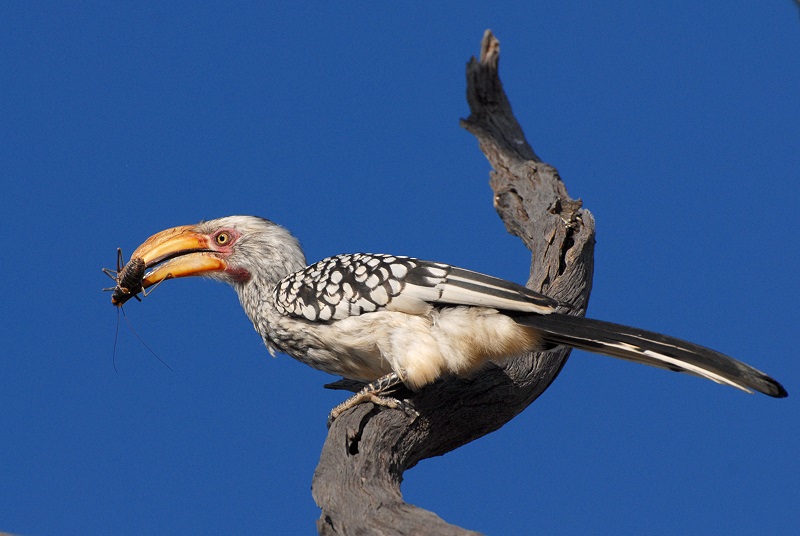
(234, 249)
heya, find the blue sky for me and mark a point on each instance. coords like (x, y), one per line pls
(677, 123)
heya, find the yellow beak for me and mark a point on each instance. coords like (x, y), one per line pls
(177, 252)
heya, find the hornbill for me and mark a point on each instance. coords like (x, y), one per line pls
(391, 320)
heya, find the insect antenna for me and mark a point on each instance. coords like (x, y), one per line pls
(130, 326)
(116, 336)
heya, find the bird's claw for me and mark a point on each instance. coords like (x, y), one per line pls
(378, 400)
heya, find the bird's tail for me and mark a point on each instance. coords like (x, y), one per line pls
(652, 349)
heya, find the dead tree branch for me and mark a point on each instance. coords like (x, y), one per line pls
(357, 481)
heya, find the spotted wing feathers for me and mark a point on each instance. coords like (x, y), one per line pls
(348, 285)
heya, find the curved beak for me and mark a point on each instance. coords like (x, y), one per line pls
(177, 252)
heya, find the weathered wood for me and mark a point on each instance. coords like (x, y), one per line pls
(357, 481)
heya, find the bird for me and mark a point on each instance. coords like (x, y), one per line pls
(390, 321)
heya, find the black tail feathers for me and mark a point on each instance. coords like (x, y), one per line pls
(652, 349)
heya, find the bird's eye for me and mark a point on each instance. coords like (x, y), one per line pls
(223, 238)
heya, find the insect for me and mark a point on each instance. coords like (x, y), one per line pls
(128, 278)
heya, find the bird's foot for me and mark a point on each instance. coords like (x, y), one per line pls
(373, 392)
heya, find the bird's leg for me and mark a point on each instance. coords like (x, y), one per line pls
(372, 392)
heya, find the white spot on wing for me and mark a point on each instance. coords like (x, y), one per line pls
(379, 296)
(398, 270)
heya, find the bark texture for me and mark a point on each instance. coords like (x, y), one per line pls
(357, 481)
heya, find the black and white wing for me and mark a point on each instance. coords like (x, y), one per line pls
(354, 284)
(350, 285)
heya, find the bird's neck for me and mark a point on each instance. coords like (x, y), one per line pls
(256, 294)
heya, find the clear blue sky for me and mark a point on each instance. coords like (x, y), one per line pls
(677, 123)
